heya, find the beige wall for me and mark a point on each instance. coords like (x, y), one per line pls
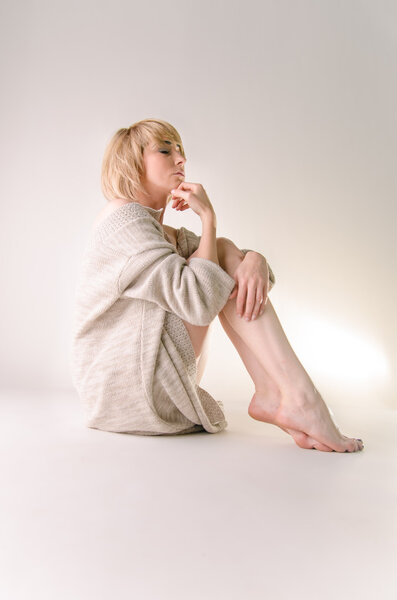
(287, 113)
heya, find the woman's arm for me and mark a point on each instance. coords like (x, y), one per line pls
(208, 246)
(154, 271)
(172, 234)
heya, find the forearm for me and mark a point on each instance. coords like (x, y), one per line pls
(208, 246)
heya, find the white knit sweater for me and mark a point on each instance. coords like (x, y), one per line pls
(133, 363)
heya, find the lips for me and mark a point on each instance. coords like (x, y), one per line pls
(180, 173)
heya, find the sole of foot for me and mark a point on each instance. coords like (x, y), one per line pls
(310, 424)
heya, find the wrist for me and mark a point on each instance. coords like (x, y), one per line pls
(209, 219)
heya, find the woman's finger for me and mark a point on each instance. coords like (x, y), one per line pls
(258, 303)
(180, 194)
(177, 202)
(180, 199)
(265, 299)
(241, 296)
(184, 188)
(186, 185)
(250, 302)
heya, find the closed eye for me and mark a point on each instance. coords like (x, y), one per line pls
(167, 152)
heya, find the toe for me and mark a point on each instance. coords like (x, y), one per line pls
(319, 446)
(360, 444)
(305, 441)
(346, 445)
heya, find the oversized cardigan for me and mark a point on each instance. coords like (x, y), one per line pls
(132, 360)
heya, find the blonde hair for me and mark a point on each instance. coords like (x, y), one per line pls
(123, 166)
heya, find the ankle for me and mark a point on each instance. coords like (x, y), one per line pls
(272, 391)
(301, 393)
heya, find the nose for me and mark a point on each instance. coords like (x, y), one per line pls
(179, 160)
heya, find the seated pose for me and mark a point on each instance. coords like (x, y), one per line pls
(147, 294)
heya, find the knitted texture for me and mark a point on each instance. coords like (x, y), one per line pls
(132, 361)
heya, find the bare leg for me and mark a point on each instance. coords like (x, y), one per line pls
(199, 336)
(284, 393)
(265, 388)
(201, 361)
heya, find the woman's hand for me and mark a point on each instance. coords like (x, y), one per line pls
(191, 195)
(252, 286)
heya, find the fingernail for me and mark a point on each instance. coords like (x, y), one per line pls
(247, 318)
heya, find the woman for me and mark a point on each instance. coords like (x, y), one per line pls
(147, 294)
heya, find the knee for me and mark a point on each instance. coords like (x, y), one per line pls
(229, 255)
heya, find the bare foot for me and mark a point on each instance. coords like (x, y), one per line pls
(306, 419)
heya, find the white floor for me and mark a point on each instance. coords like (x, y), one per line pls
(245, 513)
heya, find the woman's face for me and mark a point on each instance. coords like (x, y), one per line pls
(162, 163)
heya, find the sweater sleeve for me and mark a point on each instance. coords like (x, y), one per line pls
(154, 271)
(193, 242)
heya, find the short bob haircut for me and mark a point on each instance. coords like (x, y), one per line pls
(123, 166)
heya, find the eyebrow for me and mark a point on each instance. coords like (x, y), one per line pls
(168, 142)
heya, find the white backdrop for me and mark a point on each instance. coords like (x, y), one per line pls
(287, 114)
